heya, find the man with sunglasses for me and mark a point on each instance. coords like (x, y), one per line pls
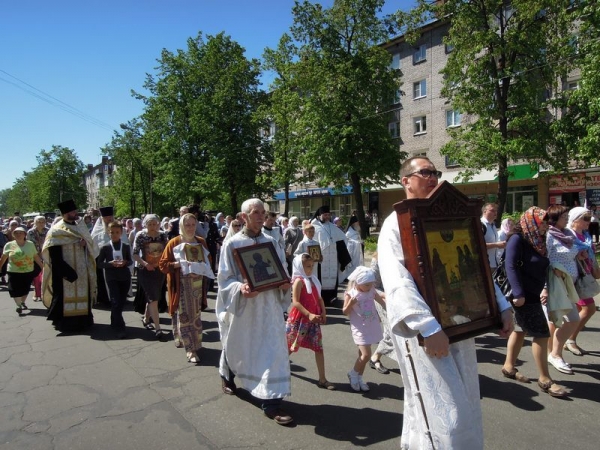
(441, 385)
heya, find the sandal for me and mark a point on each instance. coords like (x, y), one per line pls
(193, 357)
(573, 348)
(178, 343)
(147, 324)
(326, 385)
(514, 374)
(553, 389)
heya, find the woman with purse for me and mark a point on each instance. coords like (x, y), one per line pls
(579, 222)
(562, 249)
(526, 262)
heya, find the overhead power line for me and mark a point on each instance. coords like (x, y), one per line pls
(45, 97)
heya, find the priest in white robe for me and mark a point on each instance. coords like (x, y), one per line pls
(333, 247)
(449, 416)
(251, 324)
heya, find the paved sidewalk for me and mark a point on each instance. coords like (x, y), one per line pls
(93, 392)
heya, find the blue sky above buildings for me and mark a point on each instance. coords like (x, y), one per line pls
(67, 67)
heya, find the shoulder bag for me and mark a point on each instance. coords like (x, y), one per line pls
(586, 285)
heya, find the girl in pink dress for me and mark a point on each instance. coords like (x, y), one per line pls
(359, 305)
(303, 327)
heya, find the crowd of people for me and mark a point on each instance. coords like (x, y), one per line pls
(78, 263)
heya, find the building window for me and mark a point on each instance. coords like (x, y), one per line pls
(396, 97)
(420, 54)
(452, 118)
(451, 162)
(395, 63)
(394, 128)
(420, 124)
(573, 85)
(420, 89)
(420, 153)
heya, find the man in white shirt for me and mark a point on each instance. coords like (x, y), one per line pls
(489, 212)
(442, 380)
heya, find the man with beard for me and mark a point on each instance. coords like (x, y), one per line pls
(334, 251)
(69, 284)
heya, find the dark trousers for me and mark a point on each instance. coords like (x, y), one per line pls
(117, 291)
(595, 230)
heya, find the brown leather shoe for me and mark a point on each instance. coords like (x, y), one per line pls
(280, 417)
(228, 387)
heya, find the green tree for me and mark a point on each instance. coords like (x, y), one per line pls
(58, 177)
(346, 87)
(283, 109)
(578, 132)
(130, 192)
(507, 57)
(200, 123)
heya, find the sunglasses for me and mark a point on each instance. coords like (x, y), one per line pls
(426, 173)
(237, 226)
(586, 218)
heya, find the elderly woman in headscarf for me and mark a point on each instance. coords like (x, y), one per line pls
(147, 250)
(562, 249)
(292, 237)
(186, 262)
(505, 228)
(37, 235)
(527, 264)
(579, 223)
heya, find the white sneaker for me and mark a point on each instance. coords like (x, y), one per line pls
(560, 365)
(363, 386)
(354, 383)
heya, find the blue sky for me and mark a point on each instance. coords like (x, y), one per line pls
(88, 55)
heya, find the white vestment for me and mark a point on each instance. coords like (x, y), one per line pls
(327, 234)
(252, 329)
(449, 386)
(355, 249)
(276, 234)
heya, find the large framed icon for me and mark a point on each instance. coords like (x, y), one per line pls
(445, 252)
(260, 266)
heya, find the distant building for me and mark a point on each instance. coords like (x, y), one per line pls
(95, 178)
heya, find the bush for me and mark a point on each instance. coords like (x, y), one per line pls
(371, 243)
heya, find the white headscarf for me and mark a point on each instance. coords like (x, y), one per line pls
(576, 213)
(298, 271)
(362, 275)
(148, 218)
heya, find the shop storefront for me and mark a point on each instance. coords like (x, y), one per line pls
(574, 189)
(304, 202)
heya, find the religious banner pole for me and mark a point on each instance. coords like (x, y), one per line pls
(418, 392)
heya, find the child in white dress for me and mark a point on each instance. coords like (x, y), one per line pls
(359, 305)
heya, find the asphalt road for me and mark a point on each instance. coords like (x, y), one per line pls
(91, 391)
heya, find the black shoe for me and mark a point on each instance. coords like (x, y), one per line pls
(379, 367)
(280, 417)
(148, 325)
(24, 306)
(161, 335)
(228, 387)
